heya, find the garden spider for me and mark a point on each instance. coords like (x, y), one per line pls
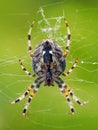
(48, 61)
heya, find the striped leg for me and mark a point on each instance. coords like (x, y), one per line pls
(26, 92)
(25, 70)
(31, 96)
(69, 102)
(29, 40)
(61, 85)
(73, 95)
(68, 38)
(72, 68)
(24, 95)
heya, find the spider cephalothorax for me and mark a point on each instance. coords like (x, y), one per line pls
(48, 62)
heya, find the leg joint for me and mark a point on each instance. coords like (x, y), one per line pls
(65, 94)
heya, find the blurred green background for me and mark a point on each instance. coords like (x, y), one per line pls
(48, 109)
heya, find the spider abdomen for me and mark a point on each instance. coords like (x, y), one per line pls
(48, 54)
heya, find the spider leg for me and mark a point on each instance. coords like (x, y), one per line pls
(25, 93)
(38, 82)
(73, 96)
(69, 91)
(68, 38)
(66, 92)
(29, 40)
(72, 68)
(61, 85)
(25, 70)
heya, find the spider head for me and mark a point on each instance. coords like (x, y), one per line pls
(49, 80)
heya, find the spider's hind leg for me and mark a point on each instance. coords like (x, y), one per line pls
(72, 68)
(25, 70)
(68, 38)
(29, 40)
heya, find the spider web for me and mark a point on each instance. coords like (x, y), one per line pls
(51, 27)
(49, 30)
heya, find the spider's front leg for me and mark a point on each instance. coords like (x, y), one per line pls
(61, 85)
(35, 85)
(35, 89)
(26, 92)
(66, 91)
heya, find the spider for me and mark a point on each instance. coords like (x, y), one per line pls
(49, 63)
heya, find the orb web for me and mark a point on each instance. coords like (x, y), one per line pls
(87, 64)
